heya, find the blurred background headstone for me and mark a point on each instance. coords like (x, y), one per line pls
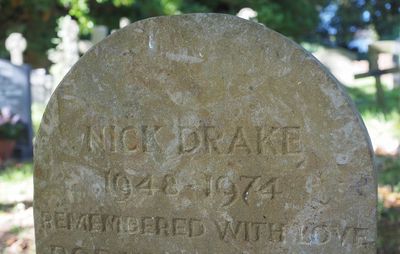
(15, 93)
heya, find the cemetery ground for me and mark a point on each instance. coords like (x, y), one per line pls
(16, 187)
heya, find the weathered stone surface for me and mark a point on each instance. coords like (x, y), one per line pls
(202, 133)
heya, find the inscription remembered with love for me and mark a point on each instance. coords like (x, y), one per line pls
(202, 133)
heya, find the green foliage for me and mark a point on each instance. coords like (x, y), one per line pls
(37, 20)
(37, 113)
(16, 173)
(80, 10)
(297, 19)
(389, 173)
(364, 97)
(384, 18)
(10, 125)
(389, 237)
(10, 131)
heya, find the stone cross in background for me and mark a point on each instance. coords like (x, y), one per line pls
(65, 55)
(16, 45)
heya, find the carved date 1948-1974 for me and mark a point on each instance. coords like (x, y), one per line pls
(246, 189)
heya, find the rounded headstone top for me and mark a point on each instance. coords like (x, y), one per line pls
(202, 133)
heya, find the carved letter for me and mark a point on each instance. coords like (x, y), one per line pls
(189, 142)
(196, 228)
(256, 226)
(46, 220)
(128, 139)
(228, 225)
(275, 232)
(263, 138)
(61, 220)
(210, 140)
(148, 138)
(94, 140)
(96, 223)
(148, 225)
(291, 142)
(179, 226)
(112, 224)
(239, 141)
(132, 225)
(161, 226)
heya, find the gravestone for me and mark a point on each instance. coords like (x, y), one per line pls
(15, 93)
(202, 133)
(65, 55)
(16, 45)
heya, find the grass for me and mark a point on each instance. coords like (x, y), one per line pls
(390, 172)
(37, 113)
(364, 98)
(16, 230)
(382, 123)
(16, 173)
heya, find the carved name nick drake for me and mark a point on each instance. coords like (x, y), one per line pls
(257, 140)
